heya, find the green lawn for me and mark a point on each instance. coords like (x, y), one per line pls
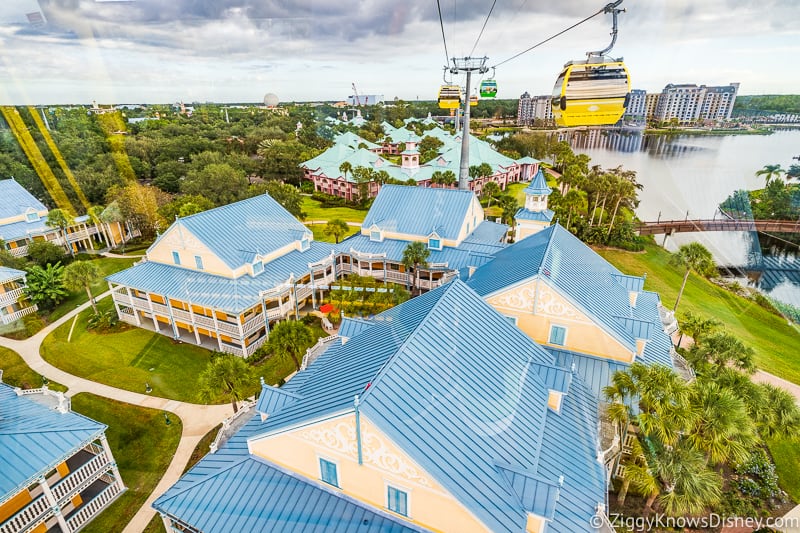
(515, 190)
(786, 454)
(314, 211)
(156, 525)
(143, 446)
(128, 358)
(18, 374)
(774, 341)
(319, 232)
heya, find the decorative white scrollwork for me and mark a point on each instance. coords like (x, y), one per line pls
(550, 304)
(375, 451)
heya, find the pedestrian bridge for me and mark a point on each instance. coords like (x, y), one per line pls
(669, 227)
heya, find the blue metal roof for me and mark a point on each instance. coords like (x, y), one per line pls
(352, 326)
(581, 275)
(35, 439)
(539, 216)
(420, 210)
(16, 200)
(458, 388)
(538, 185)
(8, 274)
(237, 232)
(218, 292)
(488, 232)
(595, 372)
(22, 229)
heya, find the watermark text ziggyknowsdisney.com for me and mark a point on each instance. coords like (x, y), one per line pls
(641, 523)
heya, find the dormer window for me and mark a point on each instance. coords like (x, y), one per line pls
(305, 243)
(375, 234)
(32, 216)
(434, 243)
(258, 267)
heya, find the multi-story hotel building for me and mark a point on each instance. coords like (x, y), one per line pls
(690, 103)
(56, 469)
(533, 108)
(13, 303)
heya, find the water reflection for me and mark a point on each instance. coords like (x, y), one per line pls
(687, 176)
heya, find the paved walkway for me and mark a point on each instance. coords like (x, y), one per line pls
(197, 419)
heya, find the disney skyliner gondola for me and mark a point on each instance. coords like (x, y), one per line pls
(590, 92)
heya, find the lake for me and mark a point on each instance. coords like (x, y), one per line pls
(690, 175)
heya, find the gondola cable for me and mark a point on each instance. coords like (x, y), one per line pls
(483, 28)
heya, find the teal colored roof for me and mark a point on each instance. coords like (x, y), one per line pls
(237, 232)
(587, 280)
(353, 141)
(464, 393)
(16, 200)
(538, 185)
(231, 295)
(539, 216)
(420, 210)
(352, 326)
(527, 160)
(479, 152)
(34, 439)
(231, 491)
(8, 274)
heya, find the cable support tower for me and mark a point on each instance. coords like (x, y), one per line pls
(467, 65)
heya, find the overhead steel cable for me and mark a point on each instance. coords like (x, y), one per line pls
(444, 40)
(540, 43)
(483, 28)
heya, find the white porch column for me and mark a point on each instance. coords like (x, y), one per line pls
(194, 325)
(133, 307)
(110, 458)
(216, 328)
(167, 522)
(116, 305)
(153, 313)
(48, 494)
(241, 335)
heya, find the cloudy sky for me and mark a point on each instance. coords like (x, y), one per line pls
(76, 51)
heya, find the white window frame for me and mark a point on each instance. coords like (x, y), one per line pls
(402, 488)
(176, 257)
(198, 262)
(32, 216)
(258, 267)
(372, 231)
(335, 463)
(550, 334)
(305, 243)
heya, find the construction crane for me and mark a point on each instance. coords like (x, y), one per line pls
(357, 99)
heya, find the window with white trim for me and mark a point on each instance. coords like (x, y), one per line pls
(434, 244)
(305, 243)
(397, 500)
(198, 262)
(327, 472)
(33, 216)
(176, 258)
(558, 335)
(375, 235)
(258, 267)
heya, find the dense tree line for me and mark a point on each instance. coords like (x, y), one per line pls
(767, 103)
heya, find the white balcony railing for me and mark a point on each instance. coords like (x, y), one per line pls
(29, 517)
(10, 297)
(81, 478)
(7, 319)
(94, 506)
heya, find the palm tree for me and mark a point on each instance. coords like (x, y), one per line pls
(782, 416)
(437, 177)
(45, 286)
(336, 228)
(58, 218)
(692, 256)
(291, 339)
(449, 178)
(696, 326)
(95, 212)
(226, 375)
(509, 206)
(676, 476)
(415, 256)
(80, 275)
(344, 168)
(770, 171)
(723, 429)
(719, 350)
(490, 190)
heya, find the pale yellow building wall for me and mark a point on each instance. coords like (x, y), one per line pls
(583, 335)
(384, 463)
(528, 228)
(21, 217)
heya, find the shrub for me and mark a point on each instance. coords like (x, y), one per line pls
(103, 322)
(43, 252)
(760, 479)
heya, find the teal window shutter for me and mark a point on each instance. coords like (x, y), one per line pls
(328, 472)
(176, 258)
(398, 501)
(558, 335)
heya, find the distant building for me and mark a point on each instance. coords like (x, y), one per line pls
(23, 220)
(533, 108)
(691, 103)
(637, 106)
(13, 302)
(58, 472)
(651, 104)
(365, 99)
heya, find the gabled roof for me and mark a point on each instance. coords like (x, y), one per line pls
(237, 232)
(353, 141)
(537, 216)
(538, 185)
(581, 275)
(35, 439)
(9, 274)
(420, 210)
(479, 152)
(460, 390)
(16, 200)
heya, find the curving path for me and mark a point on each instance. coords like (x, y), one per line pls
(197, 419)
